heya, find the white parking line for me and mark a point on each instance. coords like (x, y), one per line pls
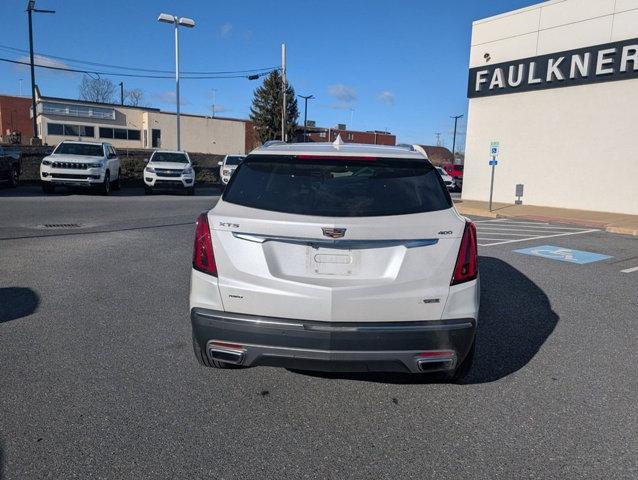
(630, 270)
(537, 238)
(525, 227)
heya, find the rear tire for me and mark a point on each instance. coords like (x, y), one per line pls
(14, 177)
(105, 188)
(47, 187)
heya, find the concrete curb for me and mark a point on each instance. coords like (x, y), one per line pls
(623, 230)
(474, 211)
(479, 212)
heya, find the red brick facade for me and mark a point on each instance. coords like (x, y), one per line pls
(15, 116)
(348, 136)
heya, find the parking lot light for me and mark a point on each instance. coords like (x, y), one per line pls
(184, 22)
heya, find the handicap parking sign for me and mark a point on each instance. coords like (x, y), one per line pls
(562, 254)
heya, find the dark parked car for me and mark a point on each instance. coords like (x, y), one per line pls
(10, 165)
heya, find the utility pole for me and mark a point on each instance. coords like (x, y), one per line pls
(30, 9)
(438, 139)
(214, 100)
(456, 119)
(121, 93)
(283, 92)
(305, 115)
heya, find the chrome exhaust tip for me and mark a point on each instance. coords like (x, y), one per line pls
(436, 361)
(226, 352)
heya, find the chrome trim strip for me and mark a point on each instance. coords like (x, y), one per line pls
(250, 320)
(327, 243)
(315, 325)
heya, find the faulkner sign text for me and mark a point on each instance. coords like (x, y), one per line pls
(601, 63)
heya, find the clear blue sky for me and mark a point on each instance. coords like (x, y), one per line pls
(400, 65)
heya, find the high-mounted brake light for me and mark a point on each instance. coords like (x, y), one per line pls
(203, 257)
(333, 157)
(466, 267)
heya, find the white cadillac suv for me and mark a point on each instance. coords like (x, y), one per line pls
(335, 257)
(169, 169)
(81, 164)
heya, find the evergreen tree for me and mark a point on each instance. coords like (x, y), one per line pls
(266, 109)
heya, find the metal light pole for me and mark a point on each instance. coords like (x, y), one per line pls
(456, 119)
(214, 100)
(121, 93)
(305, 115)
(283, 92)
(184, 22)
(30, 9)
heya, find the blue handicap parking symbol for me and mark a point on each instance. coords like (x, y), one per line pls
(563, 254)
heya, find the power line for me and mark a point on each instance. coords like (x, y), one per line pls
(117, 74)
(149, 70)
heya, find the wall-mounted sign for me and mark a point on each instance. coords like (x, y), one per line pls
(600, 63)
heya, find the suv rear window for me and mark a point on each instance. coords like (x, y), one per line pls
(337, 186)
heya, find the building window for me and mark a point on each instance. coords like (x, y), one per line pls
(87, 131)
(350, 136)
(75, 110)
(55, 129)
(106, 132)
(71, 130)
(134, 135)
(322, 134)
(120, 133)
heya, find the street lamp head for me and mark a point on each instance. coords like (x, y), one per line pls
(30, 4)
(166, 18)
(187, 22)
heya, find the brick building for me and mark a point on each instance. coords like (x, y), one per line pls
(15, 117)
(437, 155)
(322, 134)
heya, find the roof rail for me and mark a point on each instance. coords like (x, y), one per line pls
(406, 146)
(269, 143)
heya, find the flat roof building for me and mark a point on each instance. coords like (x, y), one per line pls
(556, 85)
(126, 126)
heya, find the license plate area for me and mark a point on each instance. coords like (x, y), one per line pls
(331, 261)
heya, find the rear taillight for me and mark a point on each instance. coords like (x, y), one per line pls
(466, 267)
(203, 257)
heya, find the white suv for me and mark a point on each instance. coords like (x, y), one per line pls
(335, 257)
(81, 164)
(228, 166)
(169, 169)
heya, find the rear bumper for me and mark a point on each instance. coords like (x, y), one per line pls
(327, 346)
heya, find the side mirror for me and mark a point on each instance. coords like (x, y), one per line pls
(146, 160)
(220, 163)
(112, 155)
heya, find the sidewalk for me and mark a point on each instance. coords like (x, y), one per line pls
(610, 222)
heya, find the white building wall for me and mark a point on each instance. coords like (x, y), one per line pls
(199, 134)
(572, 147)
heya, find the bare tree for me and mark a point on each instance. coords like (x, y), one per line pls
(134, 97)
(97, 89)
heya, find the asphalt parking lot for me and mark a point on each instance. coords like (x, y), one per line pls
(98, 378)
